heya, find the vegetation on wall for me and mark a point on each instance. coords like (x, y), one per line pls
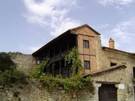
(8, 73)
(75, 83)
(38, 70)
(14, 54)
(72, 84)
(72, 59)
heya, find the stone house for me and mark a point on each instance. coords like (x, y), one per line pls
(112, 70)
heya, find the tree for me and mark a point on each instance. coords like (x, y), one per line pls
(6, 63)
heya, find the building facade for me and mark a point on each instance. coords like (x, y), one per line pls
(112, 70)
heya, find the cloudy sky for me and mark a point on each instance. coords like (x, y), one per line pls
(26, 25)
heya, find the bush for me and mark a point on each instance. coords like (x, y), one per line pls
(38, 70)
(72, 84)
(75, 83)
(5, 62)
(8, 73)
(14, 54)
(10, 77)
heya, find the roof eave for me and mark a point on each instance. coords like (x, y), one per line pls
(40, 49)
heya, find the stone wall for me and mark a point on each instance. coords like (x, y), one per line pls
(33, 92)
(24, 62)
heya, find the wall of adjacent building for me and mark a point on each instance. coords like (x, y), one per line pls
(122, 76)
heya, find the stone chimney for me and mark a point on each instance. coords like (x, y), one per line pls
(111, 43)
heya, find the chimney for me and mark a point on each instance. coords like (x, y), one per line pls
(111, 43)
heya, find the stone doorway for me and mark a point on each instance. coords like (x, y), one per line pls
(108, 92)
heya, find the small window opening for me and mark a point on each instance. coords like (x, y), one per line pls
(113, 64)
(86, 64)
(85, 43)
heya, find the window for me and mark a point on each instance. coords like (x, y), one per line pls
(86, 64)
(113, 64)
(85, 43)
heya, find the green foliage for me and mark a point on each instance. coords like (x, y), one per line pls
(73, 84)
(72, 58)
(5, 62)
(10, 77)
(14, 54)
(38, 70)
(8, 73)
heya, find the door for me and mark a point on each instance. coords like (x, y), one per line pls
(108, 92)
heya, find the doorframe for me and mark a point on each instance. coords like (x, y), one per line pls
(108, 83)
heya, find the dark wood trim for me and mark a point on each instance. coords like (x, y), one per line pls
(63, 35)
(85, 35)
(106, 82)
(87, 54)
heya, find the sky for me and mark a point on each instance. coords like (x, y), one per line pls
(26, 25)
